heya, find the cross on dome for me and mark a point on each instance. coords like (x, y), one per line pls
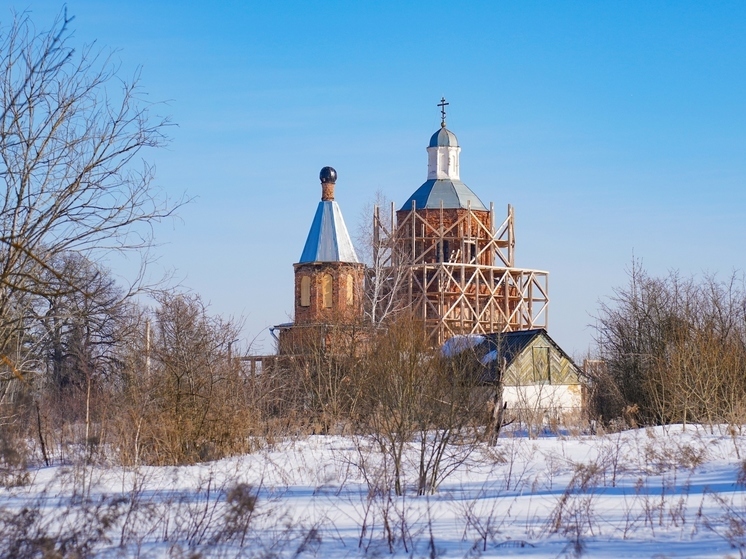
(443, 106)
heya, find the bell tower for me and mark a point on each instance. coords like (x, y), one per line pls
(328, 276)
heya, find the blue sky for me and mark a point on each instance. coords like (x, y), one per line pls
(614, 128)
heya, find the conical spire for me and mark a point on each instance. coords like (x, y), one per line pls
(328, 239)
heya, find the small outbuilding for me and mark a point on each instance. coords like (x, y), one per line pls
(537, 376)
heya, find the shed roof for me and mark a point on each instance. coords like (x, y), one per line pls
(490, 349)
(328, 239)
(511, 344)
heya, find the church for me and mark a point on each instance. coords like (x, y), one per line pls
(445, 259)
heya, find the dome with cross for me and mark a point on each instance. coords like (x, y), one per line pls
(443, 138)
(443, 188)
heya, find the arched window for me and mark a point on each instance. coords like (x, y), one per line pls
(305, 291)
(350, 290)
(326, 291)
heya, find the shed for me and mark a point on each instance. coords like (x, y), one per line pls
(535, 371)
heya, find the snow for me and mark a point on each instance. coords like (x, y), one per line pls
(460, 343)
(674, 491)
(489, 357)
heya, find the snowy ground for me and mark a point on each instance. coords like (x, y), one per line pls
(663, 492)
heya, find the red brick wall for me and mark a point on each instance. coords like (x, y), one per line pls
(427, 244)
(339, 311)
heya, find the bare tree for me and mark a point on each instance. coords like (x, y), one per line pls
(73, 190)
(425, 412)
(675, 348)
(329, 375)
(71, 134)
(193, 403)
(78, 330)
(384, 274)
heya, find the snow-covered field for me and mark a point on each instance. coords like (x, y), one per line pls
(662, 492)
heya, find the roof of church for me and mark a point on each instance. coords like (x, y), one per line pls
(328, 239)
(443, 137)
(452, 192)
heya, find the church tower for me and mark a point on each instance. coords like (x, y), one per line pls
(328, 276)
(457, 270)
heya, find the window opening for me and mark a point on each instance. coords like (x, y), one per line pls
(326, 291)
(350, 290)
(305, 291)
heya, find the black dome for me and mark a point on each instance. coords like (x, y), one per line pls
(328, 174)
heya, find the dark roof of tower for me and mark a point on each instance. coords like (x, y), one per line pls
(453, 193)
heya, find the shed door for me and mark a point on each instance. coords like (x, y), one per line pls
(540, 356)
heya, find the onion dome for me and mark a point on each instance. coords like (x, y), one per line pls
(444, 138)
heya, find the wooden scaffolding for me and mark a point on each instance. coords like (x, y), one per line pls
(455, 271)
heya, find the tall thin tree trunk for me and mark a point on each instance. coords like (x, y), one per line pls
(87, 428)
(41, 435)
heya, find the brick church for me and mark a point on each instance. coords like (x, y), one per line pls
(446, 258)
(329, 280)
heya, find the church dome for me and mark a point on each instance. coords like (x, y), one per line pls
(443, 138)
(443, 188)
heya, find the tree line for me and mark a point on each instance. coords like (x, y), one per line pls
(672, 350)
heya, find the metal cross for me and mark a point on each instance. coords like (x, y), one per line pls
(443, 106)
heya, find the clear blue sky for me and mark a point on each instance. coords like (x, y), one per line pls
(613, 128)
